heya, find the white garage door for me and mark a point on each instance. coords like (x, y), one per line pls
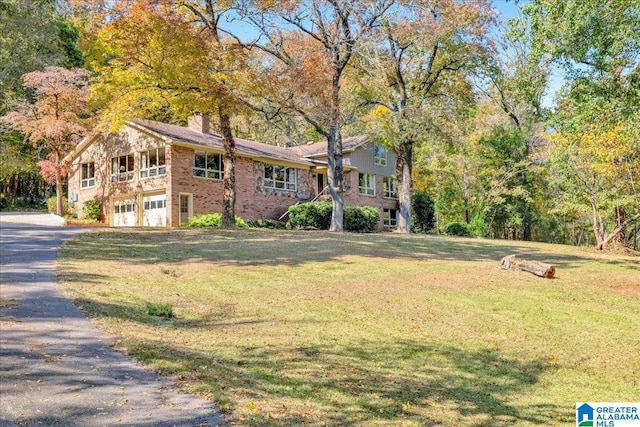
(123, 213)
(154, 210)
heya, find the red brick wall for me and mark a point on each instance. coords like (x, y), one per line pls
(352, 195)
(253, 201)
(127, 141)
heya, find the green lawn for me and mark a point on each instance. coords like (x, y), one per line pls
(314, 328)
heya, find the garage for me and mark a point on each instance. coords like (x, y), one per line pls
(123, 213)
(154, 210)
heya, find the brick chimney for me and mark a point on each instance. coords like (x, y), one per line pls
(200, 123)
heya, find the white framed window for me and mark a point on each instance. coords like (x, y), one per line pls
(280, 177)
(88, 175)
(154, 204)
(379, 155)
(390, 217)
(390, 187)
(122, 207)
(208, 165)
(153, 163)
(122, 168)
(367, 184)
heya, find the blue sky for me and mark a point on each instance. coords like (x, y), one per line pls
(508, 10)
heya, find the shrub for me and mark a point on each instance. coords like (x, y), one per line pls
(51, 205)
(313, 214)
(318, 215)
(422, 218)
(212, 220)
(205, 220)
(5, 204)
(91, 210)
(457, 229)
(361, 218)
(266, 223)
(160, 310)
(241, 223)
(478, 227)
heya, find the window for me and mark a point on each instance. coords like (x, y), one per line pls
(280, 177)
(122, 168)
(152, 163)
(390, 187)
(155, 204)
(390, 217)
(379, 155)
(207, 165)
(123, 208)
(367, 184)
(88, 175)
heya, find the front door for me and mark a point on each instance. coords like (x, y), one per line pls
(186, 208)
(320, 183)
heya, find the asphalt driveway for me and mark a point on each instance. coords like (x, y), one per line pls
(56, 369)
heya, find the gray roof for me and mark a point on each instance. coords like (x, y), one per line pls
(210, 140)
(318, 149)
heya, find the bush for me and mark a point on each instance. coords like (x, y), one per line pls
(51, 205)
(318, 215)
(241, 223)
(478, 227)
(160, 310)
(423, 215)
(91, 210)
(212, 220)
(313, 214)
(361, 218)
(5, 204)
(266, 223)
(206, 220)
(457, 229)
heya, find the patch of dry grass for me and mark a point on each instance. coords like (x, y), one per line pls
(314, 328)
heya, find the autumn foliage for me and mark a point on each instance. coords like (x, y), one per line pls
(53, 118)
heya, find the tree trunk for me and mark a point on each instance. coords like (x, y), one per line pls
(540, 269)
(598, 231)
(466, 194)
(335, 169)
(620, 218)
(229, 179)
(404, 154)
(606, 238)
(58, 176)
(59, 210)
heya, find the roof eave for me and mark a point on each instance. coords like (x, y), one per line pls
(257, 157)
(82, 145)
(150, 132)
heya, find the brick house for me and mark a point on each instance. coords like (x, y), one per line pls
(157, 174)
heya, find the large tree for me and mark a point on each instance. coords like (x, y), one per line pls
(53, 118)
(410, 65)
(34, 35)
(515, 81)
(598, 44)
(168, 60)
(596, 157)
(307, 65)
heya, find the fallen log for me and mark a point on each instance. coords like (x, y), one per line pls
(538, 268)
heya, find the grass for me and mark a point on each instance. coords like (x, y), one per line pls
(313, 328)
